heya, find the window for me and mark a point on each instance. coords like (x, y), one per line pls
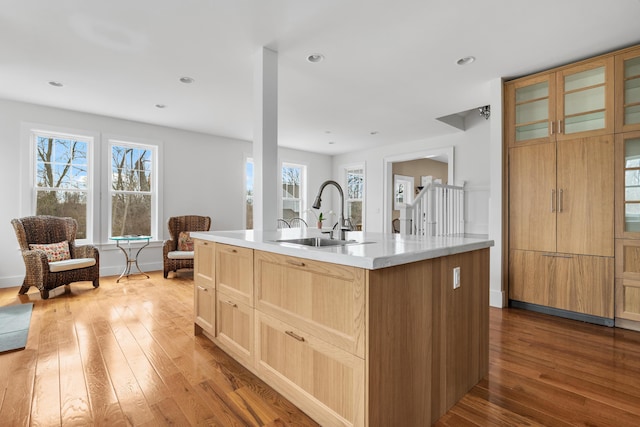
(248, 211)
(403, 191)
(354, 196)
(63, 185)
(293, 180)
(132, 189)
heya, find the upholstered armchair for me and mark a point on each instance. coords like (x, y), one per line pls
(177, 252)
(51, 256)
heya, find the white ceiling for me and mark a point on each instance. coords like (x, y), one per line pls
(390, 65)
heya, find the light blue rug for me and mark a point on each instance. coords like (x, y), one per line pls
(14, 326)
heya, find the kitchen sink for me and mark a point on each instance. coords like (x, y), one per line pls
(316, 241)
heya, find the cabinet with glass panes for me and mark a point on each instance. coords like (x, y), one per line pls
(628, 91)
(571, 102)
(627, 180)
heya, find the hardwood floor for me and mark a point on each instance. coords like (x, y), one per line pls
(125, 354)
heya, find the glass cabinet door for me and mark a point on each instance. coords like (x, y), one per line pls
(531, 109)
(628, 92)
(586, 100)
(627, 185)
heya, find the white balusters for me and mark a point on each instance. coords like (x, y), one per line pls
(437, 210)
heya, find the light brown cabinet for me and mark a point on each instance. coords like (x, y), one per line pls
(234, 272)
(628, 230)
(559, 129)
(328, 382)
(204, 286)
(561, 197)
(577, 283)
(235, 327)
(628, 91)
(628, 282)
(204, 272)
(326, 300)
(234, 302)
(356, 347)
(572, 102)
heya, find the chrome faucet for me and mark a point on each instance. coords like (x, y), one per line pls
(318, 202)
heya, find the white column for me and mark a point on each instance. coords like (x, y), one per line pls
(265, 140)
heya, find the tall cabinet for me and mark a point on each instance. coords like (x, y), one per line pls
(627, 178)
(559, 129)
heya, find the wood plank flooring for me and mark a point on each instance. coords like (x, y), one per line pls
(125, 354)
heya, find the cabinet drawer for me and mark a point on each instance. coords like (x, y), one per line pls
(310, 371)
(234, 327)
(204, 307)
(325, 300)
(579, 283)
(204, 267)
(234, 272)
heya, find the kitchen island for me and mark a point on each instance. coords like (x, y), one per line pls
(366, 333)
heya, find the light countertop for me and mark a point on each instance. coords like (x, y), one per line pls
(370, 250)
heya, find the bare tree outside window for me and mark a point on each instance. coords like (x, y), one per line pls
(62, 182)
(131, 184)
(291, 191)
(355, 192)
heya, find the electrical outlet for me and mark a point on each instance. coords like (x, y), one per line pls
(456, 277)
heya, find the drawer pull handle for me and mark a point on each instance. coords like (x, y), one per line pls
(296, 263)
(203, 288)
(232, 304)
(294, 335)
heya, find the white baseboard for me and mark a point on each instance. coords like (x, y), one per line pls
(12, 281)
(496, 299)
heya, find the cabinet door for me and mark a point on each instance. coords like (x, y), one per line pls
(586, 196)
(628, 279)
(628, 91)
(532, 197)
(585, 99)
(234, 327)
(204, 307)
(326, 300)
(309, 371)
(234, 272)
(578, 283)
(204, 263)
(530, 109)
(627, 185)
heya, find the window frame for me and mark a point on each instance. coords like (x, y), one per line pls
(303, 187)
(248, 160)
(29, 133)
(156, 176)
(346, 169)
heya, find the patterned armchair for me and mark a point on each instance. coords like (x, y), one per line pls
(177, 252)
(51, 256)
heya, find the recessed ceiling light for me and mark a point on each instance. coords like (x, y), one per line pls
(187, 80)
(331, 142)
(466, 60)
(56, 84)
(315, 57)
(161, 106)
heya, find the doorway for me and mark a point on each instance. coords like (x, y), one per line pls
(410, 164)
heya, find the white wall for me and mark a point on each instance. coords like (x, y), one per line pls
(471, 164)
(202, 175)
(477, 162)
